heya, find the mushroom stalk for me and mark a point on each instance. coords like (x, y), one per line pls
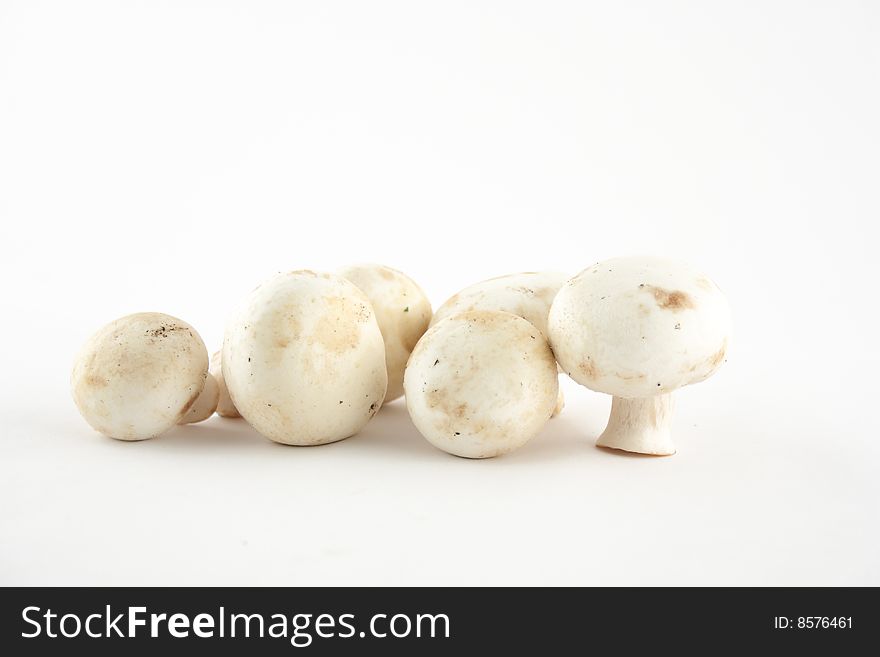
(640, 425)
(205, 404)
(560, 403)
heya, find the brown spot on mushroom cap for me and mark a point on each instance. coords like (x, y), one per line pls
(435, 398)
(707, 366)
(717, 358)
(451, 409)
(288, 327)
(164, 330)
(588, 367)
(672, 300)
(339, 328)
(96, 381)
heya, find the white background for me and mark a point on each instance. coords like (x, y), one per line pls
(170, 155)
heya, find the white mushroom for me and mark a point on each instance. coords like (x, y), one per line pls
(303, 359)
(402, 310)
(225, 407)
(139, 375)
(527, 294)
(639, 328)
(481, 383)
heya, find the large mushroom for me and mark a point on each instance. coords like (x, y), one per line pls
(481, 383)
(402, 310)
(303, 359)
(639, 328)
(526, 294)
(140, 375)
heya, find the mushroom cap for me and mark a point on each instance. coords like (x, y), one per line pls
(481, 383)
(139, 375)
(303, 359)
(402, 310)
(527, 294)
(225, 407)
(639, 326)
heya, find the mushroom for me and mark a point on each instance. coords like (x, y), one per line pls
(139, 375)
(639, 328)
(402, 310)
(481, 383)
(225, 407)
(527, 294)
(303, 359)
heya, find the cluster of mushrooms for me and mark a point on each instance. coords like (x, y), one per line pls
(309, 358)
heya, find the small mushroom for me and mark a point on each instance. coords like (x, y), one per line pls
(225, 407)
(303, 359)
(527, 294)
(481, 383)
(402, 310)
(139, 375)
(639, 328)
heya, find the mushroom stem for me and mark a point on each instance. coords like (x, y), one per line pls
(560, 403)
(640, 425)
(204, 405)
